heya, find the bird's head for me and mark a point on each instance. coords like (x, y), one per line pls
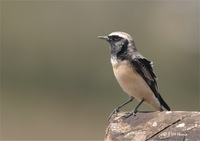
(122, 45)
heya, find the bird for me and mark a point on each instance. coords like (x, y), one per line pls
(134, 73)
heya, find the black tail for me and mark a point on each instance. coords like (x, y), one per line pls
(164, 104)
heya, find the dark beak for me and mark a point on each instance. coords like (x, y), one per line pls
(104, 37)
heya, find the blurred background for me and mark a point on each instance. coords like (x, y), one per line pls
(56, 78)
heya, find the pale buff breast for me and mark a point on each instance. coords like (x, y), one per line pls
(132, 83)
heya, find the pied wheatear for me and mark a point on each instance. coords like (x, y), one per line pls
(133, 72)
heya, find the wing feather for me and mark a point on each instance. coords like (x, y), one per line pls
(144, 67)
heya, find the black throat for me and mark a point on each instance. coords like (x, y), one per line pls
(123, 53)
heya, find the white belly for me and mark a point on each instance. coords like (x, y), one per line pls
(133, 84)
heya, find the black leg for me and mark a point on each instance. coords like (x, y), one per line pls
(116, 110)
(135, 110)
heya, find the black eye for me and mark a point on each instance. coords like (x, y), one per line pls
(116, 38)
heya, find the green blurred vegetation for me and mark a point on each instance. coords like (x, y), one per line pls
(56, 77)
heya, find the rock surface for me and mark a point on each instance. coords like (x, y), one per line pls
(166, 125)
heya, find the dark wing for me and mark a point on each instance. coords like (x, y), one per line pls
(144, 68)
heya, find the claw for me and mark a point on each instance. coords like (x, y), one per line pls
(130, 114)
(135, 110)
(115, 111)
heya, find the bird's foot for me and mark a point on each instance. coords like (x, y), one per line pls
(115, 111)
(130, 114)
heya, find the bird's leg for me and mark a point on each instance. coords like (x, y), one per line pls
(116, 110)
(135, 110)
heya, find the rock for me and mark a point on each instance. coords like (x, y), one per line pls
(166, 125)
